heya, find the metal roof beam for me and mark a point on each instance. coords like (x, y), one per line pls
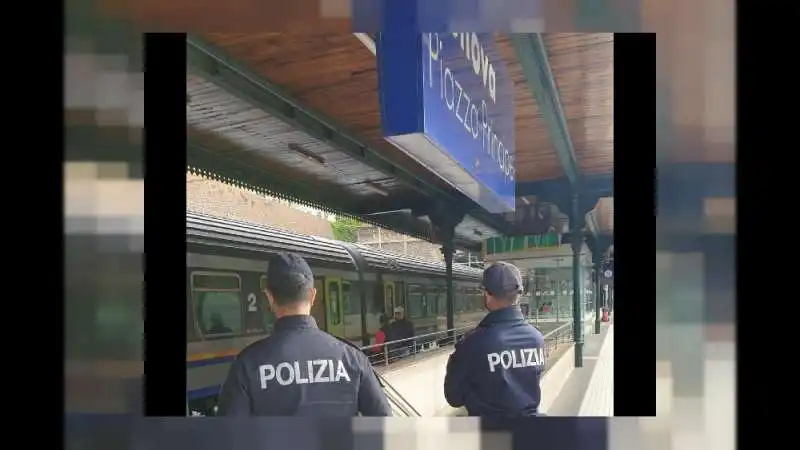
(594, 185)
(532, 55)
(218, 67)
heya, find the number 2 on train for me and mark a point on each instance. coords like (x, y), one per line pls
(252, 305)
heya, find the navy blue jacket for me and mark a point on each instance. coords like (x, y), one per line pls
(495, 369)
(300, 370)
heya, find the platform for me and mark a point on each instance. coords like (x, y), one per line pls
(589, 390)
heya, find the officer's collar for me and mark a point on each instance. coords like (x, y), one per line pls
(508, 314)
(295, 322)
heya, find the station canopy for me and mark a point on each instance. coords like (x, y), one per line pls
(299, 116)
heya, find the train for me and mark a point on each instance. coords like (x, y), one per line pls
(226, 264)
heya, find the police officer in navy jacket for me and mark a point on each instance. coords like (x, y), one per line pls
(495, 370)
(299, 370)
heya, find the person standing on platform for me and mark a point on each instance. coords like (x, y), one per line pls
(299, 370)
(495, 370)
(399, 329)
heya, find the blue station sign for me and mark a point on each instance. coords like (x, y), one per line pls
(448, 102)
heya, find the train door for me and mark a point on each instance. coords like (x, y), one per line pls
(389, 298)
(333, 312)
(318, 308)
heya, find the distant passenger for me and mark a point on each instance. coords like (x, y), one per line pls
(400, 328)
(300, 370)
(495, 370)
(217, 325)
(380, 336)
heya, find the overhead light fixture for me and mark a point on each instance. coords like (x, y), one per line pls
(393, 211)
(525, 200)
(307, 153)
(378, 189)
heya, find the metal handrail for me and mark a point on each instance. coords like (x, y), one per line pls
(455, 331)
(388, 352)
(396, 398)
(553, 333)
(421, 336)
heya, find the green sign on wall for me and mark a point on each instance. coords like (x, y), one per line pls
(509, 244)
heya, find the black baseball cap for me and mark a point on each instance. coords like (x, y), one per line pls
(502, 278)
(288, 269)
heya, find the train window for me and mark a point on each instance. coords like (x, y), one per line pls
(216, 282)
(400, 292)
(416, 300)
(352, 295)
(375, 300)
(334, 304)
(442, 302)
(346, 297)
(460, 298)
(477, 300)
(469, 304)
(433, 300)
(389, 298)
(218, 303)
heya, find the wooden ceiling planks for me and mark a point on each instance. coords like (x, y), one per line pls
(583, 66)
(334, 74)
(536, 158)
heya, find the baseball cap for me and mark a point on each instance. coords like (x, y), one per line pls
(502, 278)
(288, 269)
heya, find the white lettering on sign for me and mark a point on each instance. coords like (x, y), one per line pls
(475, 117)
(252, 303)
(513, 359)
(483, 68)
(303, 372)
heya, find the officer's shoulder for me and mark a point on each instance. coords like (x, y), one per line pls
(472, 336)
(255, 349)
(349, 347)
(536, 333)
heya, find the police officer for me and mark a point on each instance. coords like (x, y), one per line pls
(495, 370)
(299, 370)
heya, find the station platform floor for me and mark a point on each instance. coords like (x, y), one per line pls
(589, 390)
(566, 391)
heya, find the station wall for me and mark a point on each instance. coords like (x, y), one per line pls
(219, 199)
(399, 243)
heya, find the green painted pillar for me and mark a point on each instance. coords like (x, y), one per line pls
(448, 249)
(597, 260)
(577, 284)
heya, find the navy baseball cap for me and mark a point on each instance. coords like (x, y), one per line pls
(288, 269)
(502, 278)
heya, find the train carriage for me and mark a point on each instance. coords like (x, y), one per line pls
(227, 309)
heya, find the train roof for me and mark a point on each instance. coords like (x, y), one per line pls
(236, 235)
(391, 261)
(243, 236)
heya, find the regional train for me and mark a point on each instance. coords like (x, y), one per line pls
(227, 310)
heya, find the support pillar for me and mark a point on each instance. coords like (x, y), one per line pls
(444, 223)
(577, 284)
(597, 260)
(448, 249)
